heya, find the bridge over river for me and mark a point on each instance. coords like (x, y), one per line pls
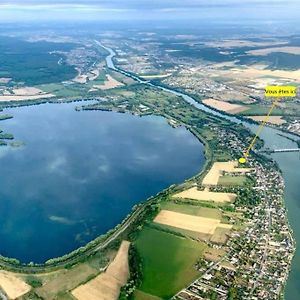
(281, 150)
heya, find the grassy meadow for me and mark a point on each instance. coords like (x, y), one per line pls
(168, 262)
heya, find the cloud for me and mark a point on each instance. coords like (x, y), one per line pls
(104, 168)
(57, 164)
(61, 220)
(146, 9)
(150, 4)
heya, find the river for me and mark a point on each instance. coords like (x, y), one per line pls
(289, 164)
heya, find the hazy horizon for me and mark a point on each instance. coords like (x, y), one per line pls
(270, 12)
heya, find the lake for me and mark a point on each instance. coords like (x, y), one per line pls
(79, 173)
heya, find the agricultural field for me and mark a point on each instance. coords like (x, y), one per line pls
(65, 281)
(198, 222)
(277, 120)
(187, 222)
(105, 81)
(107, 285)
(225, 106)
(13, 286)
(217, 170)
(168, 261)
(139, 295)
(205, 195)
(220, 235)
(57, 284)
(54, 70)
(194, 210)
(63, 90)
(229, 180)
(258, 110)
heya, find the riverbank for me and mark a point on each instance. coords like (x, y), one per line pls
(173, 144)
(217, 134)
(269, 136)
(79, 254)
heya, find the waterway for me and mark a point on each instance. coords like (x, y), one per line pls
(79, 173)
(289, 164)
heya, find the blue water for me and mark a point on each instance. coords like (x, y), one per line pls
(80, 173)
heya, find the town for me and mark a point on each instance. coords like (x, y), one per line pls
(257, 262)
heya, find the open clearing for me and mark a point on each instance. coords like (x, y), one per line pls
(220, 234)
(229, 180)
(254, 73)
(206, 195)
(106, 286)
(24, 93)
(243, 43)
(212, 177)
(12, 285)
(189, 222)
(277, 120)
(103, 287)
(119, 268)
(193, 210)
(214, 254)
(27, 91)
(157, 76)
(84, 78)
(266, 51)
(65, 280)
(5, 80)
(168, 261)
(225, 106)
(109, 83)
(139, 295)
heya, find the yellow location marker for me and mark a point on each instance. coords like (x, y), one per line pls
(281, 91)
(274, 92)
(242, 160)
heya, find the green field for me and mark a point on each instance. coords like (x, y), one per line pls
(139, 295)
(195, 210)
(168, 262)
(232, 180)
(62, 90)
(259, 110)
(74, 90)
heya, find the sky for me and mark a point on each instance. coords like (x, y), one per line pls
(55, 10)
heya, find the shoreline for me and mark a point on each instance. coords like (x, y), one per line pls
(143, 206)
(52, 264)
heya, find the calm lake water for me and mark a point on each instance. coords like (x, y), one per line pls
(80, 173)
